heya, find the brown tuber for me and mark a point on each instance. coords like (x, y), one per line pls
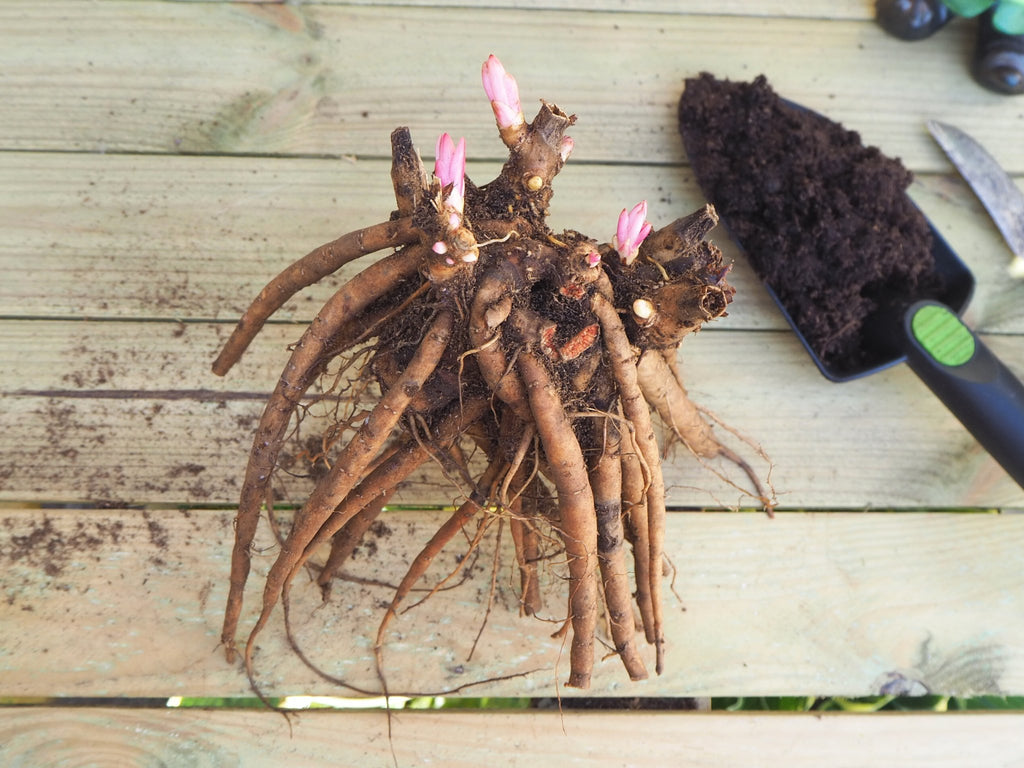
(486, 331)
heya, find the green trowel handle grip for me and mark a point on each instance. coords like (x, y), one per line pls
(969, 379)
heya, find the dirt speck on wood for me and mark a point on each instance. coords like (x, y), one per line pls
(49, 548)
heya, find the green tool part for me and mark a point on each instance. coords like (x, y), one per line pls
(942, 335)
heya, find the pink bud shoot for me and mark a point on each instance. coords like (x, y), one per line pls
(593, 259)
(503, 92)
(566, 147)
(450, 169)
(633, 228)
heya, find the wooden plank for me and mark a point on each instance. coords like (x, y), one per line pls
(311, 79)
(129, 413)
(197, 237)
(460, 739)
(127, 603)
(831, 9)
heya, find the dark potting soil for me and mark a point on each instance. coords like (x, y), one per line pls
(824, 220)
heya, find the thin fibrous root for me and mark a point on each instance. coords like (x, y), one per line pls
(663, 390)
(347, 529)
(521, 524)
(527, 548)
(466, 512)
(305, 363)
(350, 465)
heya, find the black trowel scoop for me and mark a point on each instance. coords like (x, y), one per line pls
(957, 366)
(921, 327)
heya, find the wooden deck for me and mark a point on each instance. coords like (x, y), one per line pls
(159, 161)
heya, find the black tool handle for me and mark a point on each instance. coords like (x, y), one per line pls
(969, 379)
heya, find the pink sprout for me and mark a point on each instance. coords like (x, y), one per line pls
(503, 92)
(566, 147)
(450, 168)
(593, 259)
(633, 228)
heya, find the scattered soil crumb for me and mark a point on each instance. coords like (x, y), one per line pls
(48, 547)
(157, 533)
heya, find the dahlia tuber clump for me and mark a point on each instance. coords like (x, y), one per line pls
(487, 332)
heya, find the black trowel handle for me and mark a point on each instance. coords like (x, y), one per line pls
(969, 379)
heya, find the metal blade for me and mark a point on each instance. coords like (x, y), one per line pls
(1001, 197)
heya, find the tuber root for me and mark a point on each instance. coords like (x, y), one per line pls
(485, 331)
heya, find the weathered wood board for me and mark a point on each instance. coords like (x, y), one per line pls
(195, 238)
(129, 413)
(314, 79)
(839, 604)
(42, 736)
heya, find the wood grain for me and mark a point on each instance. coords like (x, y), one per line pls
(195, 238)
(836, 9)
(129, 413)
(847, 604)
(217, 739)
(313, 80)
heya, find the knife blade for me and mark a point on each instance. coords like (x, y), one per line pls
(995, 189)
